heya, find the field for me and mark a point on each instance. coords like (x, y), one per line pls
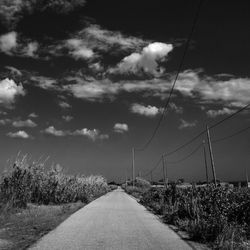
(34, 199)
(217, 216)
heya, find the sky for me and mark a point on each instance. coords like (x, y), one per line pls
(84, 81)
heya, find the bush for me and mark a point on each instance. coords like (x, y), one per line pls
(209, 214)
(31, 182)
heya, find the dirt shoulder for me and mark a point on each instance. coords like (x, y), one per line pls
(21, 228)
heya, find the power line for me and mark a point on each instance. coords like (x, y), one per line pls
(187, 156)
(201, 133)
(210, 127)
(195, 21)
(232, 135)
(155, 167)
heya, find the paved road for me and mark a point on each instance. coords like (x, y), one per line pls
(113, 222)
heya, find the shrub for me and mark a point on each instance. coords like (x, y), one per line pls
(31, 182)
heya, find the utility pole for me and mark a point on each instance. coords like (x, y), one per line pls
(247, 177)
(211, 155)
(133, 166)
(205, 159)
(164, 170)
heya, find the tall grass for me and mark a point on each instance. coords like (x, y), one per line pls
(28, 181)
(210, 214)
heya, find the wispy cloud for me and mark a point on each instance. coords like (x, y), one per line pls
(214, 113)
(33, 115)
(186, 124)
(52, 131)
(121, 128)
(8, 42)
(92, 134)
(67, 118)
(26, 123)
(19, 134)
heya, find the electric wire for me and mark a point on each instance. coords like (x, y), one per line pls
(195, 21)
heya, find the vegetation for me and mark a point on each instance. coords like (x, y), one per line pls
(216, 215)
(29, 182)
(34, 199)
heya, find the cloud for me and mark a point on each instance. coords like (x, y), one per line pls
(14, 70)
(64, 104)
(9, 90)
(105, 40)
(44, 82)
(234, 91)
(8, 42)
(33, 115)
(31, 49)
(78, 49)
(146, 61)
(27, 123)
(67, 118)
(225, 111)
(121, 128)
(175, 108)
(149, 111)
(5, 121)
(12, 11)
(19, 134)
(92, 134)
(186, 124)
(52, 131)
(91, 89)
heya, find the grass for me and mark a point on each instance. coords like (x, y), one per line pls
(20, 228)
(217, 216)
(34, 199)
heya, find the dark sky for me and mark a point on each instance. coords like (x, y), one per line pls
(85, 81)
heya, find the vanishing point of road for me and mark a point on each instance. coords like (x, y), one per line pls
(115, 221)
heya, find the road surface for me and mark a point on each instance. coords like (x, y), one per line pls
(115, 221)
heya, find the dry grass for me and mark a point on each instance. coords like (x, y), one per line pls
(20, 228)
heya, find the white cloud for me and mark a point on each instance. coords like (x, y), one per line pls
(14, 70)
(78, 49)
(146, 61)
(92, 89)
(9, 90)
(225, 111)
(175, 108)
(149, 111)
(8, 42)
(52, 131)
(64, 104)
(26, 123)
(5, 121)
(102, 39)
(121, 128)
(186, 124)
(67, 118)
(45, 82)
(92, 134)
(33, 115)
(19, 134)
(31, 49)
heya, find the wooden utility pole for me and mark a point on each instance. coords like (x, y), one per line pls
(247, 177)
(205, 159)
(211, 155)
(133, 166)
(164, 170)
